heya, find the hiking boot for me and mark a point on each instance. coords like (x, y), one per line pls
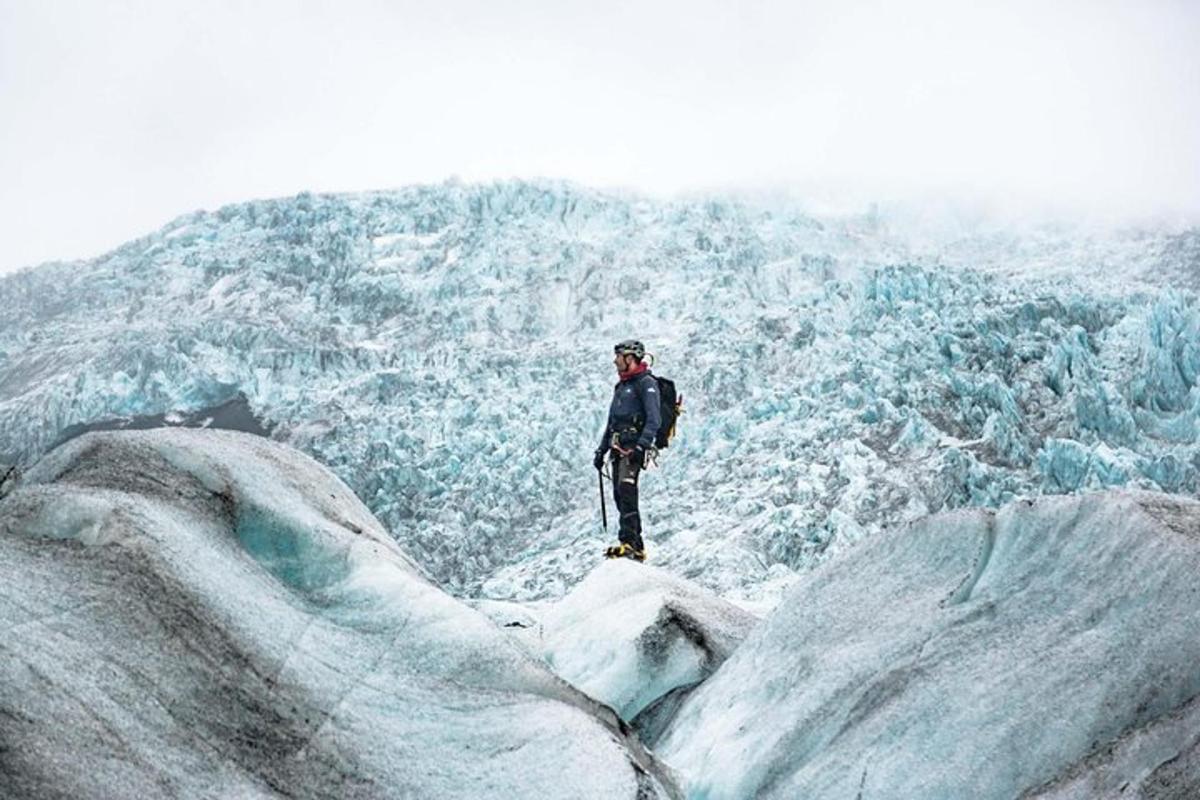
(625, 551)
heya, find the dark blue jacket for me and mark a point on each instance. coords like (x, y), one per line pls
(635, 413)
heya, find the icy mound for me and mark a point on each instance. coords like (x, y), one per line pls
(630, 635)
(1048, 647)
(210, 614)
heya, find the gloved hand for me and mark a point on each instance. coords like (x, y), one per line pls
(598, 459)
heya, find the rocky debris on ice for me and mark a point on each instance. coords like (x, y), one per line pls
(209, 614)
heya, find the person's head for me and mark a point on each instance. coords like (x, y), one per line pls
(628, 354)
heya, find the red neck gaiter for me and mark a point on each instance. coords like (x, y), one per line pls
(634, 371)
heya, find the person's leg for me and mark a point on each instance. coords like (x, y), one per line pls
(625, 487)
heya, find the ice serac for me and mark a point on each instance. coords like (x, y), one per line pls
(1048, 649)
(640, 640)
(842, 373)
(209, 614)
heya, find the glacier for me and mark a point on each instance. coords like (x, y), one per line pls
(209, 614)
(444, 349)
(1044, 650)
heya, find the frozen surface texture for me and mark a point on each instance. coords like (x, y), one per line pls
(445, 350)
(630, 635)
(1047, 649)
(209, 614)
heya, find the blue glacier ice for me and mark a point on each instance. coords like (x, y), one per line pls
(444, 349)
(1047, 649)
(210, 614)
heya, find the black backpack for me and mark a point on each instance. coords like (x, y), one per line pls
(671, 407)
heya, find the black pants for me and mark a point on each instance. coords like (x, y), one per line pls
(625, 491)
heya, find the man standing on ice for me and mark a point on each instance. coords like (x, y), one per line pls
(633, 421)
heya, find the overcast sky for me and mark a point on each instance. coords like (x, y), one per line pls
(116, 117)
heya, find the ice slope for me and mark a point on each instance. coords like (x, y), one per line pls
(1047, 649)
(631, 636)
(211, 614)
(445, 349)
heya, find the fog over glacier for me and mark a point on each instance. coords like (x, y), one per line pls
(121, 115)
